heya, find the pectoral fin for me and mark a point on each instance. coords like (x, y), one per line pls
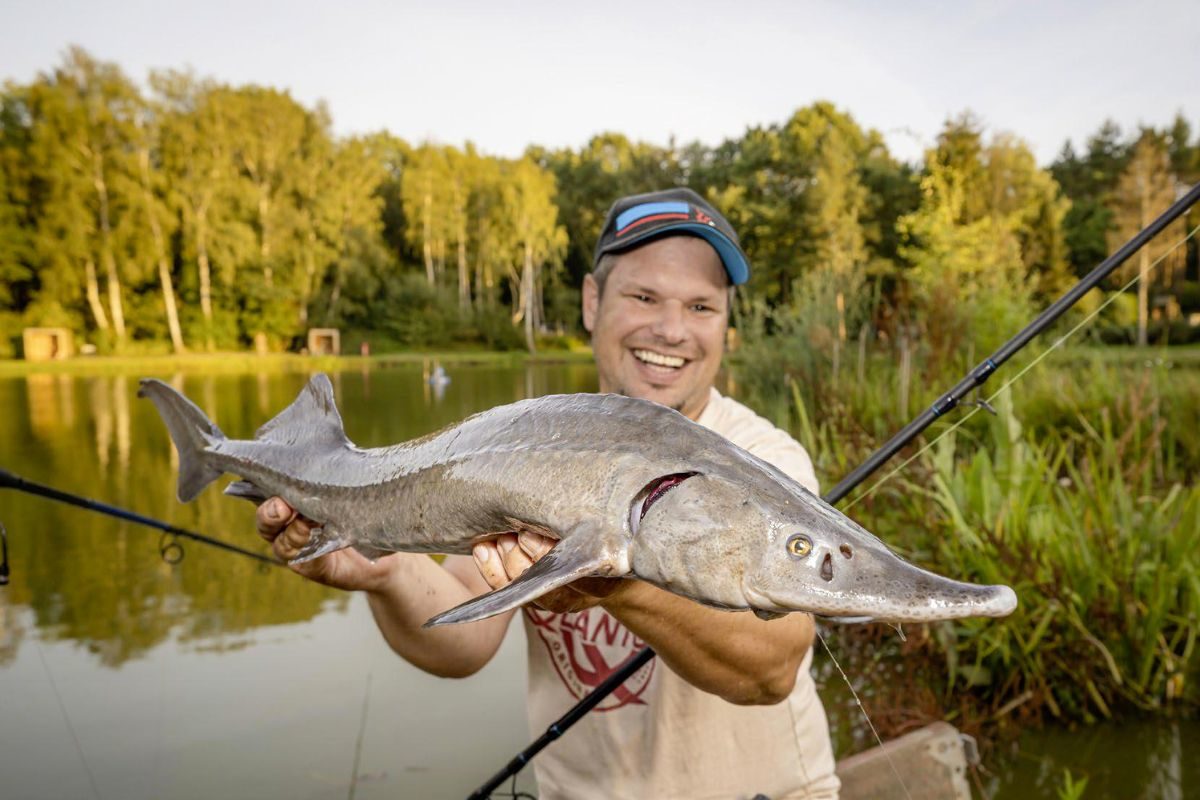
(326, 539)
(247, 491)
(581, 555)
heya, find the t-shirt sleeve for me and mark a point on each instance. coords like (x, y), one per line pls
(758, 436)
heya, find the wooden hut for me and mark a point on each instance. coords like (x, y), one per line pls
(47, 344)
(324, 342)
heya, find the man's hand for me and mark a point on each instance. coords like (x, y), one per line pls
(288, 533)
(503, 559)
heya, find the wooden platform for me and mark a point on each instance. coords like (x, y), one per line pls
(932, 765)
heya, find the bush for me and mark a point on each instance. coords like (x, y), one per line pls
(1107, 572)
(1188, 296)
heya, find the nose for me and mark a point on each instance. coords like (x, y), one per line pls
(669, 323)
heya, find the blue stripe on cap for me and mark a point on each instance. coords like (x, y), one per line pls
(646, 209)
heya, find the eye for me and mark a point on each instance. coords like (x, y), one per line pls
(799, 545)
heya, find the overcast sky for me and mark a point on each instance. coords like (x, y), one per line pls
(507, 74)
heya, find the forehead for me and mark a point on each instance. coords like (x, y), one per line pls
(683, 264)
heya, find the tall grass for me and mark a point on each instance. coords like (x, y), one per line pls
(1105, 563)
(1080, 492)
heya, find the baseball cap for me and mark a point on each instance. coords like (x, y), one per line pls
(638, 218)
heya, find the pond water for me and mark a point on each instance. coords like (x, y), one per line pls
(124, 677)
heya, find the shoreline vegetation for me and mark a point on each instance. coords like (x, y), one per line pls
(578, 352)
(243, 361)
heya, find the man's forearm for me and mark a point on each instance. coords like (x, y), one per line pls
(735, 655)
(418, 588)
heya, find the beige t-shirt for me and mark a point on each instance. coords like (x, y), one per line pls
(658, 736)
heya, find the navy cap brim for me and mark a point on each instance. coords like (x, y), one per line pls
(736, 265)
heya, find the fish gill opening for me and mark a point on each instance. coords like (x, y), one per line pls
(651, 493)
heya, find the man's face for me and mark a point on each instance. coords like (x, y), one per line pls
(658, 332)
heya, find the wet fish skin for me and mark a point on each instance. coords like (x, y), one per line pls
(629, 487)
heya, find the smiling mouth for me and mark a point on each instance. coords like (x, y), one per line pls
(659, 360)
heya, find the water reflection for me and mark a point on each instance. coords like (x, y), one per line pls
(100, 582)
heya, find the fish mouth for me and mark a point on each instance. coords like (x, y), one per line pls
(651, 493)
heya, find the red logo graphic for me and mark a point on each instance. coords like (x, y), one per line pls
(702, 217)
(586, 647)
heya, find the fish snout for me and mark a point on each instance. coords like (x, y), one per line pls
(891, 589)
(841, 575)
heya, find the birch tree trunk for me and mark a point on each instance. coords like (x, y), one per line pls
(106, 254)
(427, 236)
(205, 276)
(527, 298)
(92, 289)
(160, 253)
(464, 277)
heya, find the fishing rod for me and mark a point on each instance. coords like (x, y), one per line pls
(171, 551)
(973, 380)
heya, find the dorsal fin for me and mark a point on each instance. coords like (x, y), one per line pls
(311, 418)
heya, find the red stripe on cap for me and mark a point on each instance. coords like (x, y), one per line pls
(650, 218)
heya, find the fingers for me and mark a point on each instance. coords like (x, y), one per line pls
(501, 561)
(272, 517)
(283, 527)
(515, 560)
(535, 545)
(288, 544)
(491, 567)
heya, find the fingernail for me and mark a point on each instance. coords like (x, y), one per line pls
(275, 512)
(507, 543)
(529, 542)
(481, 553)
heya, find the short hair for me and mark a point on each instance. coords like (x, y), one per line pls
(605, 266)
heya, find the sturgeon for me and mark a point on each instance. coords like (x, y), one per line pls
(628, 487)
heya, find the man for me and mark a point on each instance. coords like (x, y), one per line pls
(730, 711)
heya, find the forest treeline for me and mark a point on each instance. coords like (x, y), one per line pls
(212, 217)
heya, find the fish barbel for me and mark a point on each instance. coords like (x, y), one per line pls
(629, 488)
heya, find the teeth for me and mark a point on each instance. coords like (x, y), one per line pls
(650, 357)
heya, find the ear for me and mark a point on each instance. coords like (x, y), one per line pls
(591, 302)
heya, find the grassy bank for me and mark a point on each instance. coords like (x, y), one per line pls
(1081, 492)
(239, 362)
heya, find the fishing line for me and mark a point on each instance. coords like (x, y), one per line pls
(866, 716)
(362, 729)
(37, 646)
(1020, 373)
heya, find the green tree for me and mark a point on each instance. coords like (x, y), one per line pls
(17, 230)
(424, 200)
(1088, 181)
(353, 204)
(528, 200)
(83, 128)
(159, 220)
(203, 184)
(986, 237)
(1144, 189)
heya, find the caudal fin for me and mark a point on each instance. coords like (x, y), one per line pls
(190, 430)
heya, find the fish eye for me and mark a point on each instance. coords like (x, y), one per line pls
(799, 545)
